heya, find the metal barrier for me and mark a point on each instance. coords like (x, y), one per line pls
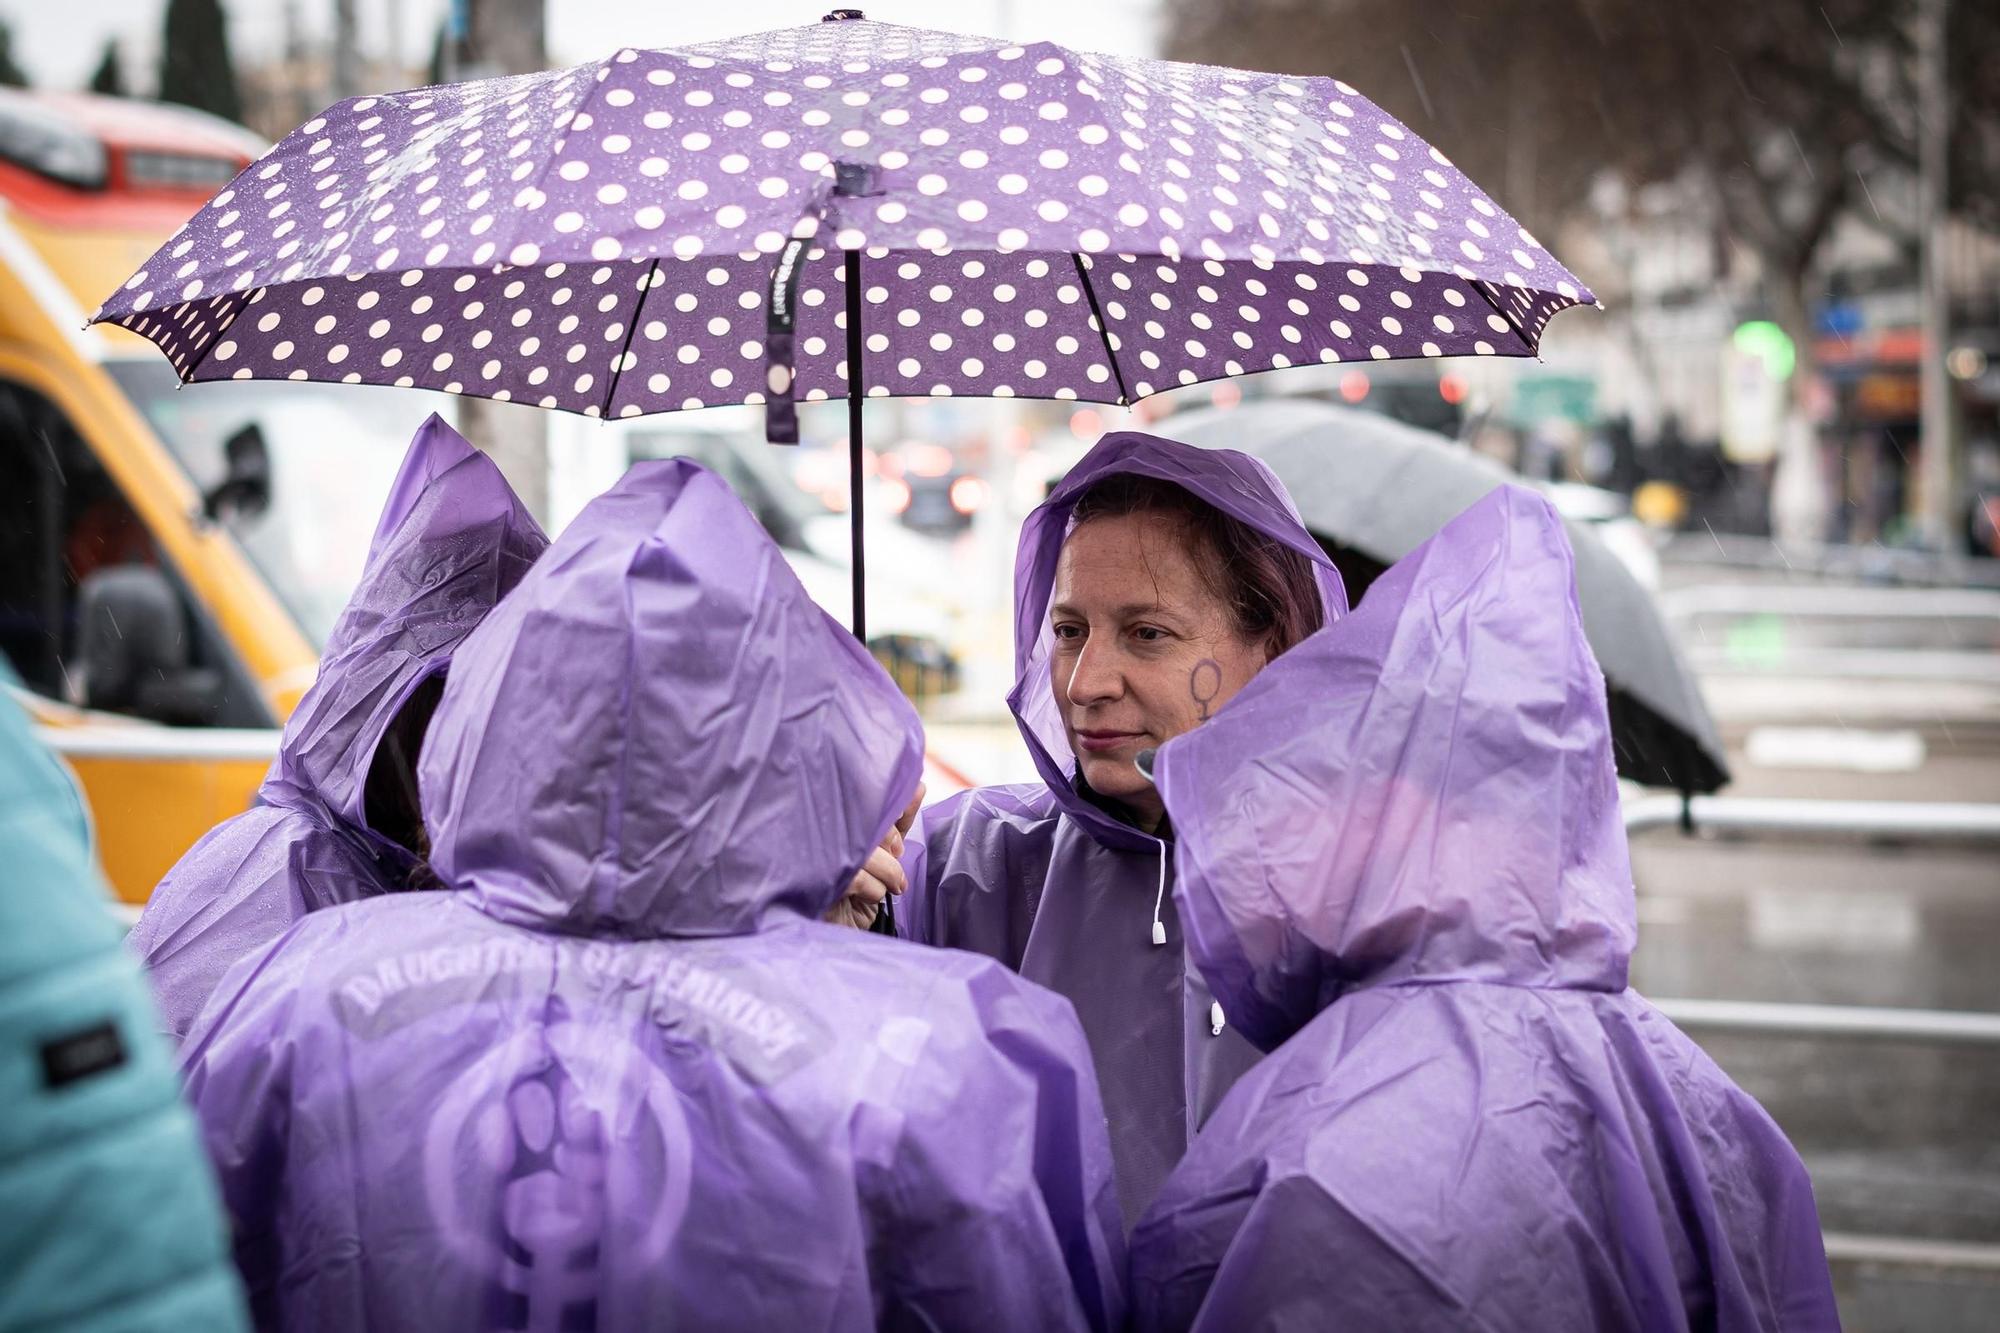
(1854, 664)
(1902, 1251)
(1867, 564)
(1931, 821)
(1873, 605)
(1821, 601)
(1930, 1026)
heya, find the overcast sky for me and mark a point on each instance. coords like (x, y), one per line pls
(59, 43)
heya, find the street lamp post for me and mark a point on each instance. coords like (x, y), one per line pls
(1939, 461)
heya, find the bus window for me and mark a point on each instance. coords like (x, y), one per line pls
(89, 613)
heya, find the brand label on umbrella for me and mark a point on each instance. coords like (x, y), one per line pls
(781, 413)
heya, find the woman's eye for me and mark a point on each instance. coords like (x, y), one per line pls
(1149, 634)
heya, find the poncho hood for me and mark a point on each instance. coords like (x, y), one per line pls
(452, 541)
(1423, 792)
(659, 734)
(1232, 482)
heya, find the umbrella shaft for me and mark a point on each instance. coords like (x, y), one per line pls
(854, 395)
(885, 916)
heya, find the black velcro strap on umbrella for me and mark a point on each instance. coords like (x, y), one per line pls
(781, 409)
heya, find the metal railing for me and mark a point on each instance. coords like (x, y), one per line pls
(1871, 564)
(1928, 821)
(1763, 1018)
(1685, 606)
(1931, 821)
(1886, 664)
(1822, 601)
(1905, 1252)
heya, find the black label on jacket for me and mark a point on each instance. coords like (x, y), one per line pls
(78, 1055)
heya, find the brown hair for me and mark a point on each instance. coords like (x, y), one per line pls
(390, 802)
(1269, 588)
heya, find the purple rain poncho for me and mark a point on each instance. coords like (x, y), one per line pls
(621, 1076)
(1404, 872)
(1051, 884)
(452, 540)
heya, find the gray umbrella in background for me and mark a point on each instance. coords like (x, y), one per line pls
(1371, 489)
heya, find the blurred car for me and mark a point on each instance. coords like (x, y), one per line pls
(924, 485)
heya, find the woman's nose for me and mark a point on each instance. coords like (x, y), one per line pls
(1094, 678)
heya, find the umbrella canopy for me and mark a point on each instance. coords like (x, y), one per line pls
(1372, 486)
(842, 209)
(617, 238)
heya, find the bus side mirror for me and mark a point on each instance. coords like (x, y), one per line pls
(245, 490)
(132, 650)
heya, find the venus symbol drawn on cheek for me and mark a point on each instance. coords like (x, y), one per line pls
(1204, 683)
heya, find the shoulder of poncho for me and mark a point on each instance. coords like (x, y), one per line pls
(221, 854)
(297, 796)
(1005, 800)
(325, 945)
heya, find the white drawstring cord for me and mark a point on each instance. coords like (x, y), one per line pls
(1159, 898)
(1215, 1018)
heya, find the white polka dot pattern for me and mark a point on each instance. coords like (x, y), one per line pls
(1035, 222)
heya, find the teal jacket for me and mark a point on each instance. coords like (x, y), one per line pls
(109, 1221)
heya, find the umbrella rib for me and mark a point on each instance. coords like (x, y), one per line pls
(1482, 287)
(618, 366)
(209, 346)
(1103, 329)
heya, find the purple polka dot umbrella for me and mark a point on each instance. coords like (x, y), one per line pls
(846, 208)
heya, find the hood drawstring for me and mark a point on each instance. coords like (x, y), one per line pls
(1159, 898)
(1215, 1019)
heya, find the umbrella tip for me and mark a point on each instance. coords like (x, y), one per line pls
(842, 16)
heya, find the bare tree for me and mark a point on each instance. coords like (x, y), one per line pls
(1778, 111)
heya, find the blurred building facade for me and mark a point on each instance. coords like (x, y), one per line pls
(1670, 359)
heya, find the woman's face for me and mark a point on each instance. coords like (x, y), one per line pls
(1143, 650)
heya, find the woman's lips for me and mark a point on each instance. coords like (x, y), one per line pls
(1097, 742)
